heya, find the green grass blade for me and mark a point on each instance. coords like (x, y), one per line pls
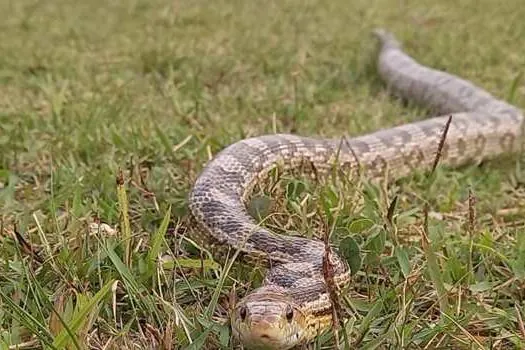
(27, 320)
(156, 241)
(124, 218)
(81, 316)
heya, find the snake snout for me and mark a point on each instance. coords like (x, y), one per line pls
(267, 319)
(265, 326)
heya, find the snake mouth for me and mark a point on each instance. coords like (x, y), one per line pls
(265, 338)
(262, 339)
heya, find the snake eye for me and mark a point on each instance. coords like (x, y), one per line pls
(242, 312)
(289, 313)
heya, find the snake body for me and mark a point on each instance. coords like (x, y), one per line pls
(292, 306)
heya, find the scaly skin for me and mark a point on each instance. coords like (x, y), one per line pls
(292, 306)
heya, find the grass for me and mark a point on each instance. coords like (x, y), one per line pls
(113, 107)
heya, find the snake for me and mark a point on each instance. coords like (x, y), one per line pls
(292, 306)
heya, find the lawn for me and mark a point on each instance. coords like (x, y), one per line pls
(110, 109)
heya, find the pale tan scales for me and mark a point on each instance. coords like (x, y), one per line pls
(292, 306)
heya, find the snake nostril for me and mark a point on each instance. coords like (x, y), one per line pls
(242, 312)
(289, 313)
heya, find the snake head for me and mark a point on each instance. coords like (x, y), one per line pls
(268, 321)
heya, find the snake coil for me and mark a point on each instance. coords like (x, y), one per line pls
(292, 306)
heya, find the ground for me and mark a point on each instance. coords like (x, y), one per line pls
(113, 108)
